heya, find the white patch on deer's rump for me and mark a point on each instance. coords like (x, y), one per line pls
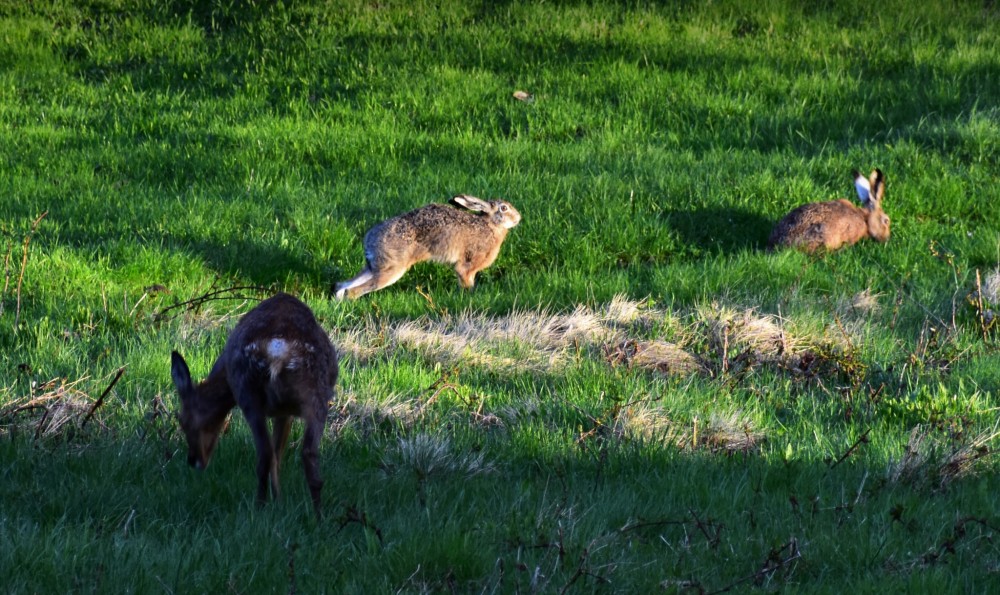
(279, 355)
(277, 348)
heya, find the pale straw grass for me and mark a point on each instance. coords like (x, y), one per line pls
(50, 409)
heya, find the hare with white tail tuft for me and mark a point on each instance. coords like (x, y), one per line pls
(469, 239)
(831, 225)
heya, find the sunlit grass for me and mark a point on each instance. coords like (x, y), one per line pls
(635, 397)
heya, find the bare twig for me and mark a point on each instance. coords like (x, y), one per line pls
(951, 543)
(440, 385)
(583, 569)
(6, 273)
(863, 439)
(713, 541)
(100, 400)
(776, 559)
(980, 309)
(195, 303)
(354, 515)
(24, 265)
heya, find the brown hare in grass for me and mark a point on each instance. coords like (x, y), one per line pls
(278, 363)
(831, 225)
(469, 239)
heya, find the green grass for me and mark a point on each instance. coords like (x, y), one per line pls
(525, 436)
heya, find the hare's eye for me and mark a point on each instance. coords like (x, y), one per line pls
(503, 208)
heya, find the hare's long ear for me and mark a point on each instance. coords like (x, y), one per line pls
(863, 187)
(877, 181)
(472, 203)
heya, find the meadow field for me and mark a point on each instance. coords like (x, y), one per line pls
(636, 397)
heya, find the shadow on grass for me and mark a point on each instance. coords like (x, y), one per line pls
(257, 263)
(720, 230)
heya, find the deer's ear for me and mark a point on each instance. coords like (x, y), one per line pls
(181, 375)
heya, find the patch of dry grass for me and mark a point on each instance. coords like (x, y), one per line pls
(991, 287)
(50, 409)
(520, 341)
(730, 433)
(927, 459)
(428, 456)
(711, 339)
(370, 416)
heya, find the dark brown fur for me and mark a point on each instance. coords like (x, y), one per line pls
(277, 363)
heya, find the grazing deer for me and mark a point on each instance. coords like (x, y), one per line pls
(278, 362)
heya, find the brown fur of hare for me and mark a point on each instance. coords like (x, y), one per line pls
(837, 223)
(468, 238)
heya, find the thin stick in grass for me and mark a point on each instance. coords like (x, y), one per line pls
(100, 400)
(857, 444)
(980, 309)
(24, 266)
(6, 273)
(218, 294)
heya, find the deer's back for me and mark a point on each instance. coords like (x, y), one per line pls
(279, 359)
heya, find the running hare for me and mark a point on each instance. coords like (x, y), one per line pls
(836, 223)
(470, 241)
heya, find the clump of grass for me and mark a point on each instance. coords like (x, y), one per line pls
(53, 408)
(654, 355)
(622, 310)
(930, 460)
(861, 305)
(368, 417)
(715, 340)
(985, 300)
(709, 340)
(359, 343)
(730, 433)
(428, 456)
(854, 313)
(647, 421)
(991, 286)
(744, 333)
(479, 341)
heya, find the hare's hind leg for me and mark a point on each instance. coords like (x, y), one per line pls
(368, 281)
(348, 288)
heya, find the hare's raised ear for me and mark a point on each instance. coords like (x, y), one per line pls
(863, 187)
(877, 181)
(472, 203)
